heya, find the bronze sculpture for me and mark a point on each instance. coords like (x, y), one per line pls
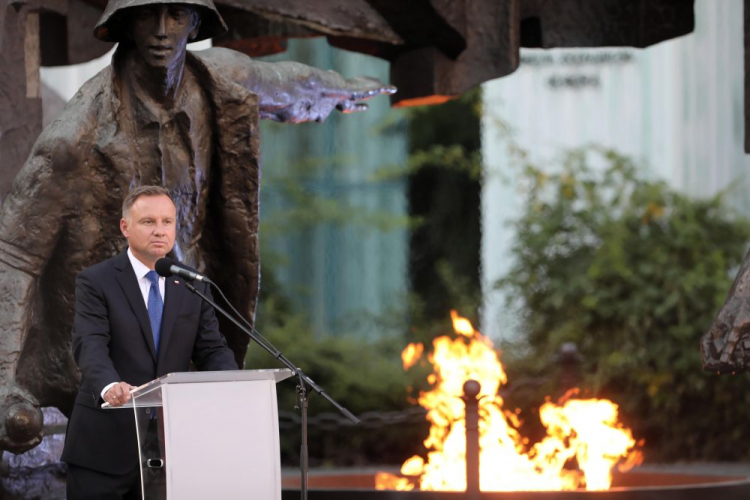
(438, 49)
(156, 115)
(726, 345)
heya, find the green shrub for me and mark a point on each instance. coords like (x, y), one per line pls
(363, 375)
(633, 272)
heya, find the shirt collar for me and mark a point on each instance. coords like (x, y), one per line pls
(139, 267)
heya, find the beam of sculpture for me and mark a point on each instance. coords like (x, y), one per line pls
(157, 115)
(439, 49)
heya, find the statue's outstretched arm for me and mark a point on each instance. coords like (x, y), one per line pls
(293, 92)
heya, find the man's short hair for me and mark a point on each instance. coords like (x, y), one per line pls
(136, 193)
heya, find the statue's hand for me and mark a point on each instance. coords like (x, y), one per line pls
(291, 92)
(358, 89)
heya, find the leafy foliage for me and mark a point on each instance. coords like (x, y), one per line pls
(444, 196)
(363, 375)
(633, 273)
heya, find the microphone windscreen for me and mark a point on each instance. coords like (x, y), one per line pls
(163, 267)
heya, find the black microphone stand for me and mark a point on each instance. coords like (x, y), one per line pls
(304, 381)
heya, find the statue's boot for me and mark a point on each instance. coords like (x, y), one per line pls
(21, 419)
(44, 375)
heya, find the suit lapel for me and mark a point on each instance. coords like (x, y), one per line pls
(129, 284)
(174, 290)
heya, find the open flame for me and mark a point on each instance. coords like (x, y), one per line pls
(586, 430)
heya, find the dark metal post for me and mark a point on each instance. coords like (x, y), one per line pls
(471, 391)
(568, 374)
(303, 451)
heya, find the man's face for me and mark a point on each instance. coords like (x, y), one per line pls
(161, 33)
(150, 228)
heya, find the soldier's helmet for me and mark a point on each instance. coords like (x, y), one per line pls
(111, 26)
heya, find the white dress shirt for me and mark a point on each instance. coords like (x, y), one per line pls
(143, 282)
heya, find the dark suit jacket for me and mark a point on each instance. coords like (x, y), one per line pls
(112, 342)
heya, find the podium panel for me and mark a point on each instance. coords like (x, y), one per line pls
(222, 454)
(209, 435)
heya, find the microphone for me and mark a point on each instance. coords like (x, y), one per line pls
(167, 267)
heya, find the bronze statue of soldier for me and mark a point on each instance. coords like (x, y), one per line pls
(157, 115)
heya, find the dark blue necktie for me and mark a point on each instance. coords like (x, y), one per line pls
(155, 307)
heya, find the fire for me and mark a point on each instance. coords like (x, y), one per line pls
(462, 325)
(411, 355)
(586, 430)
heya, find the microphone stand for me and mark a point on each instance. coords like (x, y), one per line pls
(304, 382)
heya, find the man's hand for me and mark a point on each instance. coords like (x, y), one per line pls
(118, 394)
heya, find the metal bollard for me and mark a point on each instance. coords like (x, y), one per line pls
(568, 374)
(471, 391)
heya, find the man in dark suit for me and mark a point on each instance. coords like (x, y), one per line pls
(125, 335)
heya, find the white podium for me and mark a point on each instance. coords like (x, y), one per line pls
(208, 435)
